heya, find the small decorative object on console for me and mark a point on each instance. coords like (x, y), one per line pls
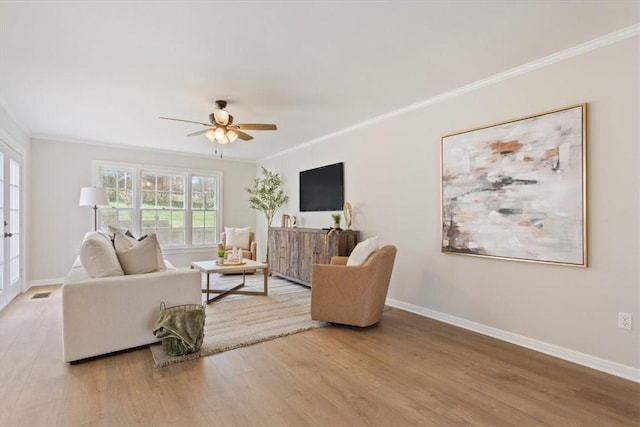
(348, 210)
(285, 220)
(336, 220)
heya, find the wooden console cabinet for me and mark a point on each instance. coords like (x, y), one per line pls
(293, 251)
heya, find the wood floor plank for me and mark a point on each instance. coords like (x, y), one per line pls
(406, 371)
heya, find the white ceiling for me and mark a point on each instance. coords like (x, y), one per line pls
(104, 71)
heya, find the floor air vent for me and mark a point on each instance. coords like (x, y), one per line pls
(41, 295)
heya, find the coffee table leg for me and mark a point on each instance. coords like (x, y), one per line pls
(207, 288)
(265, 274)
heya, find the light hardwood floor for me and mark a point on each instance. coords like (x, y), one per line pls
(408, 370)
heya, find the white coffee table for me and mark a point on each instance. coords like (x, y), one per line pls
(208, 267)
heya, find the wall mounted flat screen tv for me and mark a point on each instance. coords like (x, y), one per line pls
(322, 189)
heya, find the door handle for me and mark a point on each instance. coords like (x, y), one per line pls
(8, 234)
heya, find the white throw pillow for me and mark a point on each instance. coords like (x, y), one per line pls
(99, 258)
(123, 242)
(362, 251)
(236, 238)
(137, 257)
(115, 230)
(126, 236)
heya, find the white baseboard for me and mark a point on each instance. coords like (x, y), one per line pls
(44, 282)
(613, 368)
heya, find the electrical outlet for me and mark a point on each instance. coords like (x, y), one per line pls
(624, 321)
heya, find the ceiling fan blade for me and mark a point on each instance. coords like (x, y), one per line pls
(200, 132)
(254, 126)
(187, 121)
(243, 136)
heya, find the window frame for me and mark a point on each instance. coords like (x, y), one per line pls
(138, 169)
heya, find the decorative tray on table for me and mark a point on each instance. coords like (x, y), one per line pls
(225, 263)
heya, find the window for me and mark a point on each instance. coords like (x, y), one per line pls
(180, 207)
(162, 207)
(204, 197)
(119, 186)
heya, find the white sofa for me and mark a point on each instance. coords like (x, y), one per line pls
(105, 314)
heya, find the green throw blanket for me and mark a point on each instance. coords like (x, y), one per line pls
(180, 329)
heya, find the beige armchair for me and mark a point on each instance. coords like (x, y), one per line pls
(249, 252)
(352, 295)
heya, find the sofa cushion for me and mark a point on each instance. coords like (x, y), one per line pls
(137, 257)
(362, 251)
(98, 233)
(98, 257)
(236, 238)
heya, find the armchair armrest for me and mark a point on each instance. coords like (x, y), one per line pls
(339, 260)
(338, 279)
(254, 251)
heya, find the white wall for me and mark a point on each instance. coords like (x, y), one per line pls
(392, 180)
(58, 224)
(13, 132)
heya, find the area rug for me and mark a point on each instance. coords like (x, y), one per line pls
(241, 320)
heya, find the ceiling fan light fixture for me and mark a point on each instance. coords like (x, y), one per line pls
(221, 117)
(219, 133)
(221, 128)
(231, 136)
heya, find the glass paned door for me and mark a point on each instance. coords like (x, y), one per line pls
(11, 217)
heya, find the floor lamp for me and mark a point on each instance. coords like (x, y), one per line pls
(93, 196)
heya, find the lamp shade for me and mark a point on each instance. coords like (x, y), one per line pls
(93, 196)
(231, 135)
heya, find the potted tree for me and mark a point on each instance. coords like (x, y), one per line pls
(267, 196)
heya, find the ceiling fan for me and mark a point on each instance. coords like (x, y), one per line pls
(222, 129)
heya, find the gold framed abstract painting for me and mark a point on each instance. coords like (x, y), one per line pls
(516, 190)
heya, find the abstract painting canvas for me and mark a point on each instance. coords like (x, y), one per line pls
(517, 190)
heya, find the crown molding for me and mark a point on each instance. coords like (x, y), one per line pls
(580, 49)
(136, 147)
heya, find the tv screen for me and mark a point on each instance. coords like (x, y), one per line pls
(322, 189)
